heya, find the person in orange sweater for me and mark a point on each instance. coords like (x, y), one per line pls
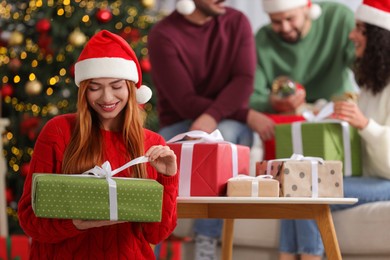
(108, 126)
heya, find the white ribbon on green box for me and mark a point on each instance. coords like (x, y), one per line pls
(296, 132)
(187, 149)
(106, 172)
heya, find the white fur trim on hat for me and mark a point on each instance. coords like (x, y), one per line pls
(373, 16)
(111, 68)
(185, 7)
(276, 6)
(143, 94)
(105, 68)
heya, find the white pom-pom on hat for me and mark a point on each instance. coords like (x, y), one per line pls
(315, 11)
(276, 6)
(108, 55)
(185, 7)
(143, 94)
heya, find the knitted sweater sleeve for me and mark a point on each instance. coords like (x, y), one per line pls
(155, 232)
(47, 158)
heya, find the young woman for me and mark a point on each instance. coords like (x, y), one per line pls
(108, 126)
(371, 116)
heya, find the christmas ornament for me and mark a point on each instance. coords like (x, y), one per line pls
(14, 64)
(9, 195)
(7, 90)
(5, 36)
(53, 110)
(132, 35)
(145, 65)
(104, 15)
(33, 87)
(16, 38)
(77, 38)
(148, 3)
(283, 86)
(44, 42)
(43, 25)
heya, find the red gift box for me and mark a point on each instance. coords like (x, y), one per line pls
(15, 247)
(269, 146)
(212, 167)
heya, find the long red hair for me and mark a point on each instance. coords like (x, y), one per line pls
(85, 149)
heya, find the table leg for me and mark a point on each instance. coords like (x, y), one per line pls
(227, 239)
(329, 238)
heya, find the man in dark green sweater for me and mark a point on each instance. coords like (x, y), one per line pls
(308, 43)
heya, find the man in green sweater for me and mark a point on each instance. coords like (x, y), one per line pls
(307, 43)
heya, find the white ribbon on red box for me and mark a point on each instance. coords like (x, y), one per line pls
(187, 148)
(296, 132)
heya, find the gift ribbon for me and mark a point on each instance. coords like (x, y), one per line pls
(314, 169)
(254, 181)
(187, 149)
(296, 132)
(106, 172)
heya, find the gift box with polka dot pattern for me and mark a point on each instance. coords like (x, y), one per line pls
(87, 197)
(295, 178)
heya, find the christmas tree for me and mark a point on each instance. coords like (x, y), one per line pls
(39, 44)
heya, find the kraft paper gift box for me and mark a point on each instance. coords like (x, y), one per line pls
(206, 166)
(249, 186)
(296, 178)
(323, 140)
(69, 196)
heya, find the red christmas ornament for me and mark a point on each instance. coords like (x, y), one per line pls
(145, 65)
(132, 35)
(43, 25)
(71, 71)
(7, 90)
(9, 195)
(104, 15)
(45, 42)
(14, 64)
(24, 169)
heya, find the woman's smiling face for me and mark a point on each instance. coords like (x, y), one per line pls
(108, 97)
(358, 37)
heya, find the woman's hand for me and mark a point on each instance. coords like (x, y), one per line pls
(87, 224)
(163, 159)
(350, 112)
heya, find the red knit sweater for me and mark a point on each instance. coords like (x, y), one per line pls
(59, 238)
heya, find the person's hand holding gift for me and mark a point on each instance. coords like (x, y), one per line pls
(287, 95)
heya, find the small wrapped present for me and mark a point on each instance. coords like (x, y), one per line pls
(325, 138)
(15, 247)
(248, 186)
(305, 176)
(206, 162)
(102, 197)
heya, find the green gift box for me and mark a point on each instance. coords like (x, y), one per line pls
(68, 196)
(323, 140)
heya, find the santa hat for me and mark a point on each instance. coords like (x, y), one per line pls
(375, 12)
(276, 6)
(185, 7)
(107, 55)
